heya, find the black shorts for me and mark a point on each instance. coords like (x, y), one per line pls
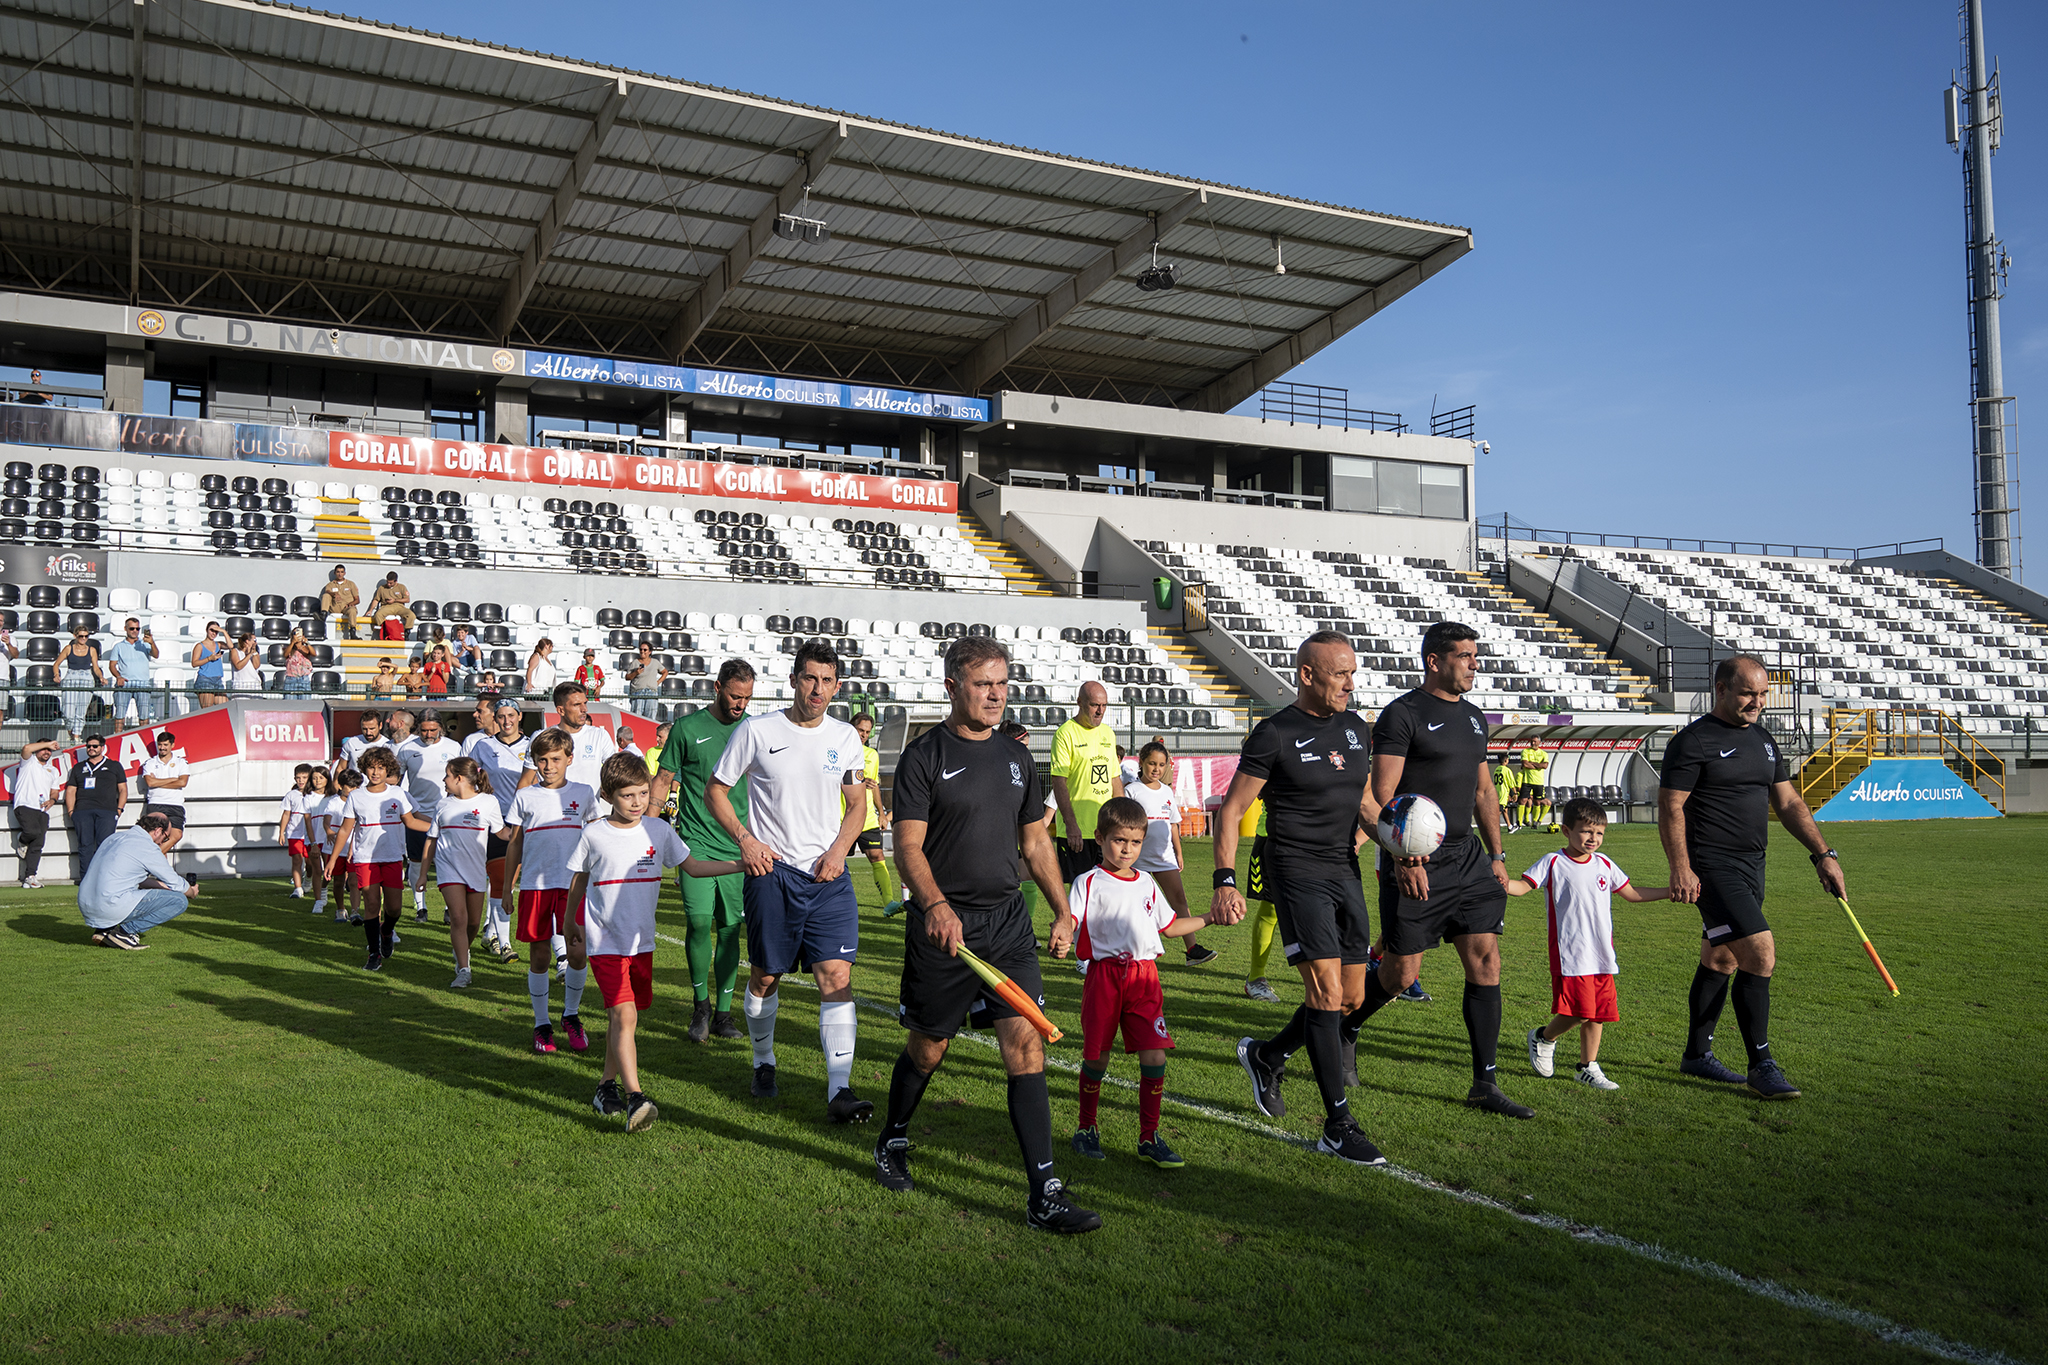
(1464, 898)
(939, 990)
(1255, 877)
(1073, 864)
(494, 847)
(868, 841)
(1731, 900)
(1320, 917)
(415, 844)
(175, 814)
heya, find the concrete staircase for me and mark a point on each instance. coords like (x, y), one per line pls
(342, 533)
(1224, 694)
(1558, 640)
(1017, 572)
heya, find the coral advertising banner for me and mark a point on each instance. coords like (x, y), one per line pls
(285, 734)
(365, 454)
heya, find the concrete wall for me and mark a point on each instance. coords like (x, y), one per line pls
(1094, 415)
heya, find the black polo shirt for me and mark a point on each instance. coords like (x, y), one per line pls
(1728, 772)
(99, 785)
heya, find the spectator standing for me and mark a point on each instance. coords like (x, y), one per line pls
(389, 600)
(540, 669)
(130, 659)
(439, 668)
(385, 678)
(80, 674)
(132, 887)
(245, 657)
(645, 676)
(415, 679)
(34, 784)
(591, 674)
(209, 658)
(298, 665)
(95, 793)
(164, 778)
(339, 599)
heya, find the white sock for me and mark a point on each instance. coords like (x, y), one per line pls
(537, 987)
(561, 947)
(572, 989)
(836, 1025)
(761, 1026)
(494, 917)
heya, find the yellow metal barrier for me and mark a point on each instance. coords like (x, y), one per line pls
(1857, 738)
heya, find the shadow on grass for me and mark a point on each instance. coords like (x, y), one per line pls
(66, 929)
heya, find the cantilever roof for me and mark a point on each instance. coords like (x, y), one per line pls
(295, 163)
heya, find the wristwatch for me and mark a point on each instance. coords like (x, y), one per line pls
(1499, 858)
(1815, 858)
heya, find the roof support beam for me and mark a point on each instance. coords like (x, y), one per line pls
(1221, 395)
(138, 37)
(527, 269)
(1027, 328)
(698, 308)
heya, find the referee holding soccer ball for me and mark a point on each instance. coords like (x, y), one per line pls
(1723, 774)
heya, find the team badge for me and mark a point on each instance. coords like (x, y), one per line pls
(1016, 775)
(1351, 738)
(1770, 751)
(1603, 883)
(1477, 728)
(1159, 1027)
(831, 758)
(1336, 760)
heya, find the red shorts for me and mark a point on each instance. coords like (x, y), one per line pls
(1585, 997)
(473, 890)
(297, 848)
(379, 874)
(623, 978)
(1122, 991)
(543, 914)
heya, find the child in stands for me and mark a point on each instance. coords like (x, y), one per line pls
(618, 867)
(1120, 916)
(546, 823)
(456, 849)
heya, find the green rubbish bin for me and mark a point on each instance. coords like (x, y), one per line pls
(1162, 593)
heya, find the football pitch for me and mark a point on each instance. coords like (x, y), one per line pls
(238, 1146)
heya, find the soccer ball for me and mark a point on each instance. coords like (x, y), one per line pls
(1411, 826)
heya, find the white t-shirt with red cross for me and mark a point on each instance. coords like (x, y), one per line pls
(1118, 916)
(1581, 898)
(624, 867)
(1162, 813)
(462, 826)
(380, 824)
(552, 819)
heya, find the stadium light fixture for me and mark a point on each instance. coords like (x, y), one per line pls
(1156, 278)
(799, 226)
(1279, 257)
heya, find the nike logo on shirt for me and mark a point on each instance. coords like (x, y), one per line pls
(701, 738)
(1726, 752)
(949, 776)
(1303, 743)
(777, 751)
(1438, 726)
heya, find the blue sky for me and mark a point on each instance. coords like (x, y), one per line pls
(1718, 282)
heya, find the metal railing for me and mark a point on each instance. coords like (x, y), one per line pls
(1458, 423)
(1858, 737)
(1322, 405)
(1508, 529)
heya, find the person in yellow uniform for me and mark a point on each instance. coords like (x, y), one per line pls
(1534, 788)
(1506, 783)
(1264, 919)
(1084, 775)
(870, 839)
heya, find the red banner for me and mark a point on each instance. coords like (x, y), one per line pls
(209, 734)
(362, 453)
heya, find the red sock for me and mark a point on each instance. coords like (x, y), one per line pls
(1150, 1089)
(1091, 1093)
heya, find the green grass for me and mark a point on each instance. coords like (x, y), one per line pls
(238, 1146)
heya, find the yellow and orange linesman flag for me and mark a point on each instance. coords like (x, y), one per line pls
(1014, 995)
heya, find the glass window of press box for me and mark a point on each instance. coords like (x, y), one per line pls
(1399, 488)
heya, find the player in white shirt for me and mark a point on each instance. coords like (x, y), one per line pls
(423, 758)
(373, 827)
(799, 764)
(546, 823)
(291, 827)
(1579, 884)
(617, 867)
(319, 832)
(355, 746)
(463, 823)
(164, 778)
(591, 744)
(1121, 914)
(35, 783)
(500, 749)
(341, 869)
(1162, 857)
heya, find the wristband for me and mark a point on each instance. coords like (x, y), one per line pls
(1222, 877)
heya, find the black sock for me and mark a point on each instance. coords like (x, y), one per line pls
(906, 1088)
(1753, 1016)
(1031, 1116)
(1709, 992)
(1323, 1027)
(389, 927)
(373, 936)
(1482, 1026)
(1376, 996)
(1276, 1050)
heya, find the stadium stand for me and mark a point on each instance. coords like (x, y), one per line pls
(1861, 634)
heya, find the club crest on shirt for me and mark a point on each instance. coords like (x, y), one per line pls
(1477, 728)
(1770, 751)
(1336, 760)
(1602, 883)
(1016, 775)
(574, 804)
(831, 759)
(1351, 738)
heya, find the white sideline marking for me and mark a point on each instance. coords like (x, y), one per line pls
(1882, 1328)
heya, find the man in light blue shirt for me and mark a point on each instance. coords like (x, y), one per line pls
(130, 659)
(130, 887)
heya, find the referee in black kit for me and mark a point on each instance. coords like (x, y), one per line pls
(967, 800)
(1722, 776)
(1309, 761)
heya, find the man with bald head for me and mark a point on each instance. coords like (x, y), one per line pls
(1723, 775)
(1084, 776)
